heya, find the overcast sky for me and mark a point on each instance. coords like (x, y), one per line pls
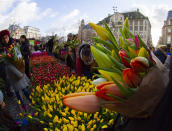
(63, 16)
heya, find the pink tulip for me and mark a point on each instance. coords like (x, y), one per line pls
(84, 102)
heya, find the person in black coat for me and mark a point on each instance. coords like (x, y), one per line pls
(24, 48)
(160, 53)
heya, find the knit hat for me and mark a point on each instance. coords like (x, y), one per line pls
(1, 97)
(3, 33)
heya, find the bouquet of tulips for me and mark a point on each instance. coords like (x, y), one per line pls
(73, 43)
(135, 79)
(13, 56)
(53, 115)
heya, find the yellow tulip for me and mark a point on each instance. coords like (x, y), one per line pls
(94, 126)
(29, 116)
(102, 32)
(143, 53)
(107, 75)
(83, 127)
(101, 58)
(45, 129)
(65, 129)
(55, 120)
(42, 122)
(19, 102)
(50, 124)
(104, 126)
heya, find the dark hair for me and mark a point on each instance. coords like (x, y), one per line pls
(23, 36)
(86, 51)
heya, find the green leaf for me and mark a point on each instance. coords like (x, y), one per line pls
(117, 98)
(123, 90)
(106, 44)
(103, 49)
(142, 44)
(114, 70)
(114, 42)
(122, 33)
(116, 63)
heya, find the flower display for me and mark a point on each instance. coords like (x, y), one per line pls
(41, 58)
(46, 73)
(124, 66)
(52, 114)
(13, 56)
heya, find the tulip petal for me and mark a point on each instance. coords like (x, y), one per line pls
(101, 58)
(107, 75)
(84, 102)
(139, 64)
(102, 32)
(131, 78)
(99, 81)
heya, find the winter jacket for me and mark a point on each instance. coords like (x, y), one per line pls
(24, 48)
(160, 55)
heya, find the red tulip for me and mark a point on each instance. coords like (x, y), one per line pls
(139, 64)
(131, 78)
(108, 88)
(9, 55)
(123, 55)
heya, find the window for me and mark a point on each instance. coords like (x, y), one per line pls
(141, 28)
(169, 39)
(131, 22)
(136, 28)
(169, 22)
(169, 30)
(131, 28)
(136, 22)
(145, 28)
(141, 22)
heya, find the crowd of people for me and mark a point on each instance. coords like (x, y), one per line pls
(79, 59)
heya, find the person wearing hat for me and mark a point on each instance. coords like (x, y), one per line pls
(5, 41)
(160, 53)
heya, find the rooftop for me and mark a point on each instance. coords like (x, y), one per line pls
(130, 15)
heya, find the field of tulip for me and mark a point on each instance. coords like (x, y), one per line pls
(41, 59)
(53, 115)
(46, 73)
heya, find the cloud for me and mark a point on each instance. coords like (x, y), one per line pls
(71, 15)
(157, 14)
(5, 5)
(21, 12)
(68, 23)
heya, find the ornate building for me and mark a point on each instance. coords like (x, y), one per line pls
(85, 32)
(16, 31)
(139, 24)
(166, 37)
(32, 32)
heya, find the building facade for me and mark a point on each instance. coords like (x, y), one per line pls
(85, 32)
(32, 32)
(16, 31)
(139, 24)
(166, 37)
